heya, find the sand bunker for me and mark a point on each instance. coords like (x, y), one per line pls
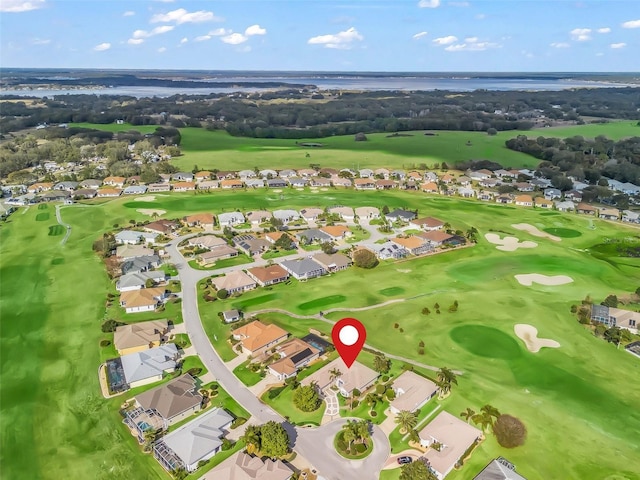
(300, 189)
(324, 189)
(529, 335)
(277, 191)
(145, 198)
(150, 211)
(534, 231)
(553, 280)
(508, 244)
(403, 270)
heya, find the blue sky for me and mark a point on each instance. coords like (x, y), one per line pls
(323, 35)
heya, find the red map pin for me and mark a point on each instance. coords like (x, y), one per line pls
(348, 337)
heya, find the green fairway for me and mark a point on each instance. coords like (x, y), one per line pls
(281, 400)
(579, 401)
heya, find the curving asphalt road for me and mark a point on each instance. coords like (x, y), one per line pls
(314, 444)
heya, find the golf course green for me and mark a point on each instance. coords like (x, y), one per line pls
(579, 402)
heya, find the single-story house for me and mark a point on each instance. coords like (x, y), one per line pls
(208, 185)
(234, 282)
(254, 183)
(313, 235)
(332, 262)
(85, 193)
(286, 216)
(381, 173)
(447, 178)
(204, 220)
(250, 244)
(367, 213)
(231, 184)
(366, 173)
(174, 401)
(243, 466)
(464, 181)
(109, 192)
(137, 337)
(135, 190)
(486, 195)
(552, 193)
(298, 182)
(230, 316)
(387, 250)
(466, 192)
(454, 436)
(609, 213)
(438, 238)
(337, 232)
(320, 182)
(616, 317)
(277, 183)
(195, 441)
(207, 241)
(630, 217)
(256, 337)
(136, 281)
(428, 223)
(499, 469)
(524, 187)
(129, 250)
(184, 186)
(415, 245)
(114, 181)
(158, 187)
(311, 214)
(294, 354)
(489, 182)
(341, 182)
(182, 177)
(257, 217)
(90, 183)
(505, 198)
(398, 174)
(565, 206)
(140, 264)
(67, 186)
(273, 237)
(574, 195)
(148, 366)
(165, 227)
(226, 174)
(133, 237)
(365, 183)
(346, 213)
(303, 268)
(268, 275)
(202, 176)
(400, 215)
(358, 377)
(142, 300)
(502, 173)
(524, 200)
(412, 392)
(385, 184)
(268, 173)
(430, 187)
(216, 253)
(231, 218)
(586, 209)
(287, 173)
(55, 195)
(541, 202)
(480, 174)
(244, 174)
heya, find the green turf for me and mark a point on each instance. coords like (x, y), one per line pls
(563, 232)
(391, 291)
(245, 375)
(322, 302)
(486, 342)
(41, 217)
(55, 230)
(283, 404)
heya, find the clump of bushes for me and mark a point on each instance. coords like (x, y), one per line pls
(510, 431)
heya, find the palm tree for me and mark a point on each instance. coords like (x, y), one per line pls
(407, 420)
(482, 419)
(335, 374)
(251, 439)
(348, 435)
(468, 414)
(446, 227)
(471, 234)
(492, 411)
(361, 428)
(446, 379)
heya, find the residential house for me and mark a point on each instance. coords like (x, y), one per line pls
(313, 235)
(303, 268)
(286, 216)
(502, 173)
(165, 177)
(137, 337)
(129, 250)
(234, 282)
(412, 392)
(56, 195)
(630, 217)
(398, 174)
(365, 183)
(616, 317)
(114, 181)
(401, 215)
(524, 200)
(565, 206)
(86, 193)
(431, 176)
(430, 187)
(385, 184)
(454, 437)
(552, 193)
(333, 171)
(268, 275)
(204, 220)
(243, 466)
(341, 182)
(416, 176)
(230, 219)
(296, 182)
(311, 214)
(287, 173)
(148, 366)
(427, 223)
(466, 192)
(336, 232)
(230, 316)
(158, 187)
(586, 209)
(480, 174)
(184, 186)
(414, 245)
(142, 300)
(202, 176)
(254, 183)
(109, 192)
(486, 195)
(320, 182)
(277, 183)
(208, 185)
(182, 177)
(273, 237)
(140, 264)
(574, 195)
(499, 469)
(464, 181)
(294, 355)
(164, 227)
(357, 377)
(366, 173)
(489, 182)
(231, 184)
(219, 252)
(174, 401)
(244, 174)
(609, 213)
(505, 198)
(438, 238)
(367, 213)
(226, 175)
(256, 337)
(207, 241)
(257, 217)
(66, 186)
(250, 244)
(524, 187)
(541, 202)
(381, 173)
(387, 250)
(90, 183)
(345, 213)
(332, 262)
(197, 441)
(133, 237)
(136, 281)
(268, 173)
(135, 190)
(447, 179)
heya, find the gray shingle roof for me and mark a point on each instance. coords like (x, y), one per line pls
(149, 363)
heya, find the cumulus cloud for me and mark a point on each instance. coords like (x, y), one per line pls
(255, 30)
(101, 47)
(341, 40)
(162, 49)
(471, 39)
(631, 24)
(135, 41)
(581, 34)
(18, 6)
(560, 45)
(156, 31)
(202, 38)
(448, 40)
(184, 40)
(604, 30)
(471, 47)
(181, 15)
(429, 3)
(618, 45)
(419, 35)
(234, 38)
(129, 13)
(218, 32)
(40, 41)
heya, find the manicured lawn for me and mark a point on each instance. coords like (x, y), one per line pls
(193, 361)
(246, 376)
(358, 451)
(227, 262)
(283, 404)
(271, 254)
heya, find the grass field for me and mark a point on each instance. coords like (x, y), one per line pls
(579, 401)
(217, 149)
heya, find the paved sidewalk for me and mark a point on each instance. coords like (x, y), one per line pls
(263, 385)
(232, 364)
(389, 424)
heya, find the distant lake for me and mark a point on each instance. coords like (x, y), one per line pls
(404, 83)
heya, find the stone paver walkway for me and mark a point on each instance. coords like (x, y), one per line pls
(331, 399)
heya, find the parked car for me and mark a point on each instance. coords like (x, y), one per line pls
(403, 460)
